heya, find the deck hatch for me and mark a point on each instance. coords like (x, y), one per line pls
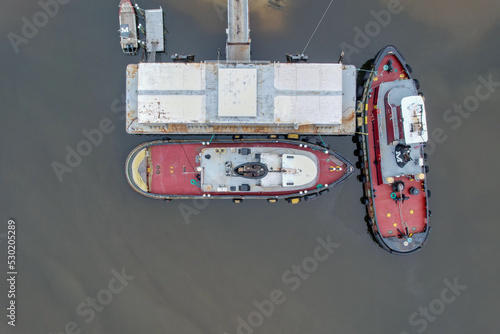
(237, 92)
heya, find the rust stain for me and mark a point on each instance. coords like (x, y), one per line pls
(350, 118)
(131, 113)
(132, 70)
(308, 128)
(180, 128)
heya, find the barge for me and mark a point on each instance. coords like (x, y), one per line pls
(238, 95)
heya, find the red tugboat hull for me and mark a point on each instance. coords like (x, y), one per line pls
(394, 132)
(235, 169)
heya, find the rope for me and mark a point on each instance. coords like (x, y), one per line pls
(370, 71)
(404, 226)
(324, 145)
(326, 11)
(187, 158)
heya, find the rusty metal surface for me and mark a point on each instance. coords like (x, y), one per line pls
(346, 128)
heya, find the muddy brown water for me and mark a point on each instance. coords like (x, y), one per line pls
(95, 257)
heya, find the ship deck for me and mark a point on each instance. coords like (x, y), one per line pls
(173, 169)
(268, 110)
(128, 24)
(393, 218)
(388, 165)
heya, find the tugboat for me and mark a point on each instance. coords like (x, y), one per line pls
(128, 28)
(241, 169)
(393, 130)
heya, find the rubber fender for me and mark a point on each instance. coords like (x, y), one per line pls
(421, 95)
(324, 191)
(312, 140)
(311, 197)
(359, 92)
(417, 83)
(294, 200)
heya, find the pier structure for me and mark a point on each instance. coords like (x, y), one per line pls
(155, 41)
(238, 31)
(239, 95)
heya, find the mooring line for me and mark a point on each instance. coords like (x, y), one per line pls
(324, 14)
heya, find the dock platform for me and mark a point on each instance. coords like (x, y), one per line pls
(238, 95)
(240, 98)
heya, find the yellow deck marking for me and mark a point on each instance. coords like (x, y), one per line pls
(136, 176)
